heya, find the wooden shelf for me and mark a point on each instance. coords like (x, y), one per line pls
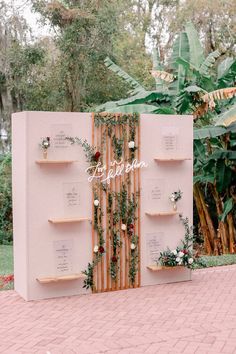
(54, 162)
(67, 220)
(162, 213)
(48, 280)
(174, 159)
(157, 268)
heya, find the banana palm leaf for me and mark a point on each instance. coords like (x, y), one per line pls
(133, 108)
(121, 73)
(223, 67)
(223, 175)
(195, 48)
(180, 49)
(209, 62)
(228, 207)
(228, 76)
(228, 117)
(157, 66)
(144, 97)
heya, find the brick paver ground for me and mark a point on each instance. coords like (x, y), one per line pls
(192, 317)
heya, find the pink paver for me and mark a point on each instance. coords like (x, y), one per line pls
(191, 317)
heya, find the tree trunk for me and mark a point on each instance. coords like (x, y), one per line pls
(205, 219)
(231, 233)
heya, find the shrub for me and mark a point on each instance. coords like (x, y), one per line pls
(6, 230)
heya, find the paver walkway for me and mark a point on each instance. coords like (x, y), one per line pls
(192, 317)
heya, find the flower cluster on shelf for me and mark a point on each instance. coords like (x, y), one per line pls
(184, 254)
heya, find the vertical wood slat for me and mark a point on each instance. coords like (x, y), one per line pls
(102, 205)
(126, 158)
(93, 233)
(139, 207)
(107, 221)
(111, 185)
(98, 194)
(116, 185)
(135, 198)
(121, 232)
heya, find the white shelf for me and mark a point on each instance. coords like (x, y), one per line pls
(67, 220)
(47, 280)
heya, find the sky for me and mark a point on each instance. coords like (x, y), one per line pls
(33, 19)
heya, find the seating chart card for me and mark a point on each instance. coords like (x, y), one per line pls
(153, 246)
(63, 256)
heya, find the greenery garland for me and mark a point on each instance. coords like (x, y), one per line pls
(125, 211)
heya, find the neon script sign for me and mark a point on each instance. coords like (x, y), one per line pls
(116, 169)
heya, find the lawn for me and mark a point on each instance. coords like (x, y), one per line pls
(6, 263)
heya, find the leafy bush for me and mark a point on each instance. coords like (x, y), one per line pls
(6, 231)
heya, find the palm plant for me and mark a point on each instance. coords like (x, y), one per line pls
(192, 84)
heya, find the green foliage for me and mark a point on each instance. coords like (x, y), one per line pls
(6, 228)
(228, 207)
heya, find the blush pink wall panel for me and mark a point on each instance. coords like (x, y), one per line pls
(39, 194)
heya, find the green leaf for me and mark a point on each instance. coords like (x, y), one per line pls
(228, 77)
(228, 117)
(208, 132)
(133, 108)
(121, 73)
(199, 150)
(180, 49)
(157, 66)
(223, 67)
(222, 154)
(144, 97)
(208, 62)
(164, 110)
(228, 206)
(196, 51)
(223, 175)
(203, 179)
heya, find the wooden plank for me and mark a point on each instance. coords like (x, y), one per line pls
(162, 213)
(121, 232)
(107, 220)
(157, 268)
(174, 159)
(101, 143)
(67, 220)
(139, 206)
(55, 162)
(47, 280)
(93, 232)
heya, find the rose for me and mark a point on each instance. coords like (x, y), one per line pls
(185, 251)
(96, 203)
(114, 259)
(131, 144)
(174, 252)
(132, 246)
(181, 254)
(96, 155)
(101, 249)
(178, 259)
(190, 261)
(95, 250)
(130, 226)
(123, 227)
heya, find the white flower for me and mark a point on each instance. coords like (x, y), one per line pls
(45, 144)
(178, 260)
(172, 199)
(190, 261)
(180, 254)
(174, 252)
(131, 144)
(123, 227)
(132, 246)
(96, 203)
(95, 250)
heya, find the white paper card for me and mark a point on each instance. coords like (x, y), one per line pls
(63, 255)
(72, 198)
(170, 138)
(154, 241)
(59, 134)
(155, 194)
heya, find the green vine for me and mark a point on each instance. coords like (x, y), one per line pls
(118, 147)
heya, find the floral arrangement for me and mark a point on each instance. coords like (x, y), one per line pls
(175, 197)
(182, 255)
(45, 143)
(5, 280)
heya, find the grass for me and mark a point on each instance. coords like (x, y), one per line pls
(215, 261)
(6, 263)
